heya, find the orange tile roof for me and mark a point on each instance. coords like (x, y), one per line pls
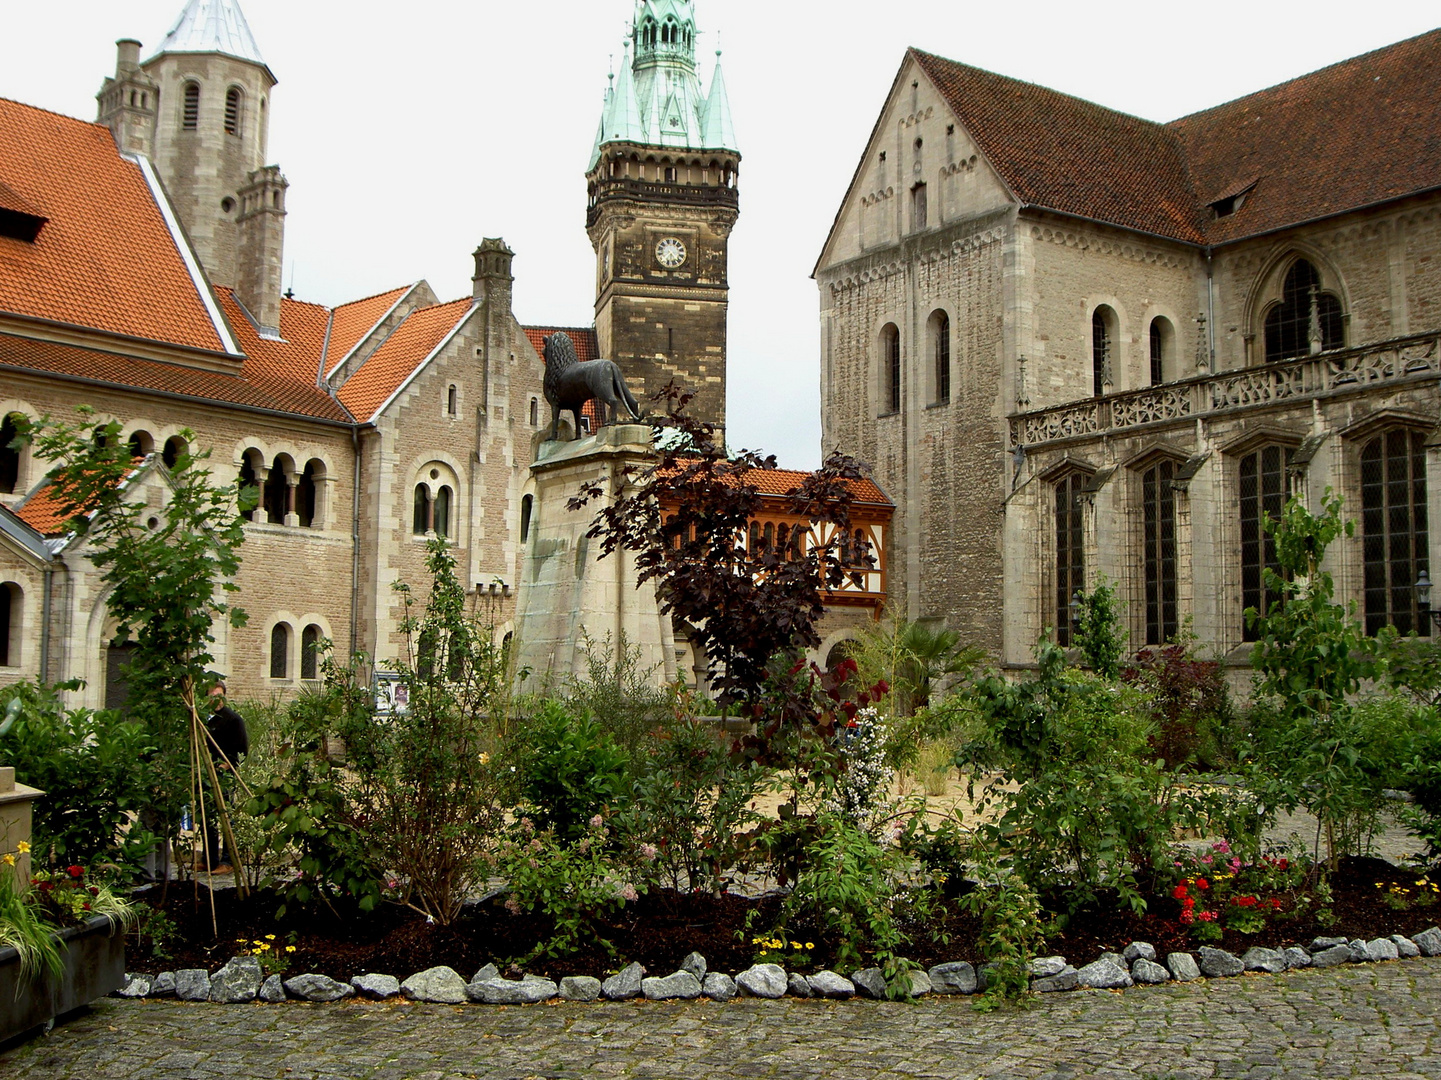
(43, 512)
(351, 322)
(587, 347)
(254, 389)
(777, 482)
(105, 258)
(1356, 133)
(287, 370)
(1360, 132)
(386, 369)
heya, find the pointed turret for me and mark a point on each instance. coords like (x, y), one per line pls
(212, 26)
(717, 131)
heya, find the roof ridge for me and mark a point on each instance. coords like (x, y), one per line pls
(1358, 58)
(52, 112)
(376, 295)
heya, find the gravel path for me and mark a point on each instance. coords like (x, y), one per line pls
(1379, 1020)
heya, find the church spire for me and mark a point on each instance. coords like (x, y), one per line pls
(212, 26)
(717, 130)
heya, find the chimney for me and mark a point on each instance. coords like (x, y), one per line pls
(261, 222)
(127, 57)
(493, 279)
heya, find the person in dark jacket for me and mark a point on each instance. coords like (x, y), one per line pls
(232, 742)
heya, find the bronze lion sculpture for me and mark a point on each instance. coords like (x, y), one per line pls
(570, 382)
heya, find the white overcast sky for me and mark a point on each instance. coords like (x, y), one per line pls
(410, 131)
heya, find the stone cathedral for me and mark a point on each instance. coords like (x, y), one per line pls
(142, 259)
(1082, 347)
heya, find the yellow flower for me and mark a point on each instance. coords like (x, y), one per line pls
(269, 937)
(810, 944)
(7, 859)
(795, 944)
(484, 758)
(23, 847)
(290, 948)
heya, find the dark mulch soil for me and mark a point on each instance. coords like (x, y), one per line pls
(662, 927)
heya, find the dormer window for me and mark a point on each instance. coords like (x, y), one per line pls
(18, 219)
(1229, 205)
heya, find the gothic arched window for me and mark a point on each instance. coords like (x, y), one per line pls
(1265, 487)
(190, 112)
(1393, 529)
(1306, 320)
(1070, 546)
(420, 519)
(527, 507)
(1158, 505)
(1162, 347)
(280, 651)
(1103, 341)
(441, 517)
(310, 651)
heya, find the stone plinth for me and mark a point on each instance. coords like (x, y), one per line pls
(15, 800)
(568, 595)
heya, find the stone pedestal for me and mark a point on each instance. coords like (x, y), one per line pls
(15, 800)
(567, 593)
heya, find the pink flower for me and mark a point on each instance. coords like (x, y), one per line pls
(627, 892)
(535, 845)
(1206, 859)
(526, 824)
(597, 821)
(1222, 847)
(648, 852)
(1235, 864)
(512, 905)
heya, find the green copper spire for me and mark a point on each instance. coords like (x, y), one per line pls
(657, 99)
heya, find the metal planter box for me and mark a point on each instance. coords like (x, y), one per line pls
(94, 967)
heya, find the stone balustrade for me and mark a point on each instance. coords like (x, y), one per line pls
(1326, 374)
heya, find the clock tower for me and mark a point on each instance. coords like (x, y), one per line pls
(661, 203)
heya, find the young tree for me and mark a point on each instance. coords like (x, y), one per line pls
(169, 571)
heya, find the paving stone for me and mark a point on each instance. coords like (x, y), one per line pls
(579, 988)
(136, 986)
(1138, 950)
(1381, 948)
(695, 964)
(1219, 964)
(1296, 957)
(1065, 979)
(1042, 966)
(623, 985)
(1257, 958)
(1183, 966)
(1149, 972)
(192, 984)
(1104, 974)
(797, 985)
(237, 982)
(1405, 947)
(375, 986)
(314, 987)
(164, 985)
(718, 986)
(682, 984)
(438, 985)
(828, 984)
(954, 977)
(272, 990)
(1336, 954)
(870, 983)
(762, 980)
(1429, 941)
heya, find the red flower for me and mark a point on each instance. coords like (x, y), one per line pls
(1246, 901)
(1275, 903)
(1179, 892)
(1201, 883)
(76, 871)
(1285, 864)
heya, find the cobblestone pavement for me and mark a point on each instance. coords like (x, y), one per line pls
(1362, 1020)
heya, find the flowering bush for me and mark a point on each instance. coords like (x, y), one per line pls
(1217, 890)
(1423, 893)
(772, 950)
(274, 959)
(859, 791)
(570, 882)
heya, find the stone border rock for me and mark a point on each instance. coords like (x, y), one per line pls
(239, 980)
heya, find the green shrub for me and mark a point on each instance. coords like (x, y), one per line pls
(94, 769)
(567, 770)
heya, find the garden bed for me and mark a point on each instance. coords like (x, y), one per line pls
(659, 929)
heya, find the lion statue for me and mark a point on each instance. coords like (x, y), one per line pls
(571, 382)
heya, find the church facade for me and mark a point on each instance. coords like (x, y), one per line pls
(1081, 347)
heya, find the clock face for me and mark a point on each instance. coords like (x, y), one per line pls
(670, 252)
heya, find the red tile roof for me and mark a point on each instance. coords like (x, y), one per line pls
(1063, 153)
(254, 389)
(1356, 133)
(286, 370)
(351, 322)
(386, 369)
(587, 347)
(105, 258)
(777, 482)
(43, 512)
